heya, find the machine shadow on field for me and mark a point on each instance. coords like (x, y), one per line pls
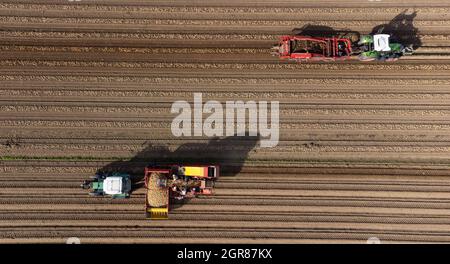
(317, 31)
(401, 28)
(229, 153)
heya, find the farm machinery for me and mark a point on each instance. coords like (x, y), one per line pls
(175, 182)
(163, 183)
(116, 185)
(366, 48)
(305, 48)
(378, 47)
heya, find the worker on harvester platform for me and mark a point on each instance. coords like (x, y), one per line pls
(341, 50)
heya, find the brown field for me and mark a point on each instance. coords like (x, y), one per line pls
(364, 147)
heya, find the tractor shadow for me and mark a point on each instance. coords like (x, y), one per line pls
(402, 29)
(230, 153)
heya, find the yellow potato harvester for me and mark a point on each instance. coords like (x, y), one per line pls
(176, 182)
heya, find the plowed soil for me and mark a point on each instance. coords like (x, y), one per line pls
(363, 152)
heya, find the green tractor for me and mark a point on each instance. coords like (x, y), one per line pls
(117, 185)
(378, 47)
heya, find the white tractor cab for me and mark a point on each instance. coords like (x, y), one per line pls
(379, 47)
(117, 185)
(113, 185)
(381, 42)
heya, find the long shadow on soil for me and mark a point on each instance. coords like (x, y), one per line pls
(401, 28)
(230, 153)
(317, 31)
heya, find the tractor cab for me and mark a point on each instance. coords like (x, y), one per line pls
(113, 185)
(381, 42)
(116, 185)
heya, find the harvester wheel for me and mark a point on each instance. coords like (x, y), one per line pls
(95, 194)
